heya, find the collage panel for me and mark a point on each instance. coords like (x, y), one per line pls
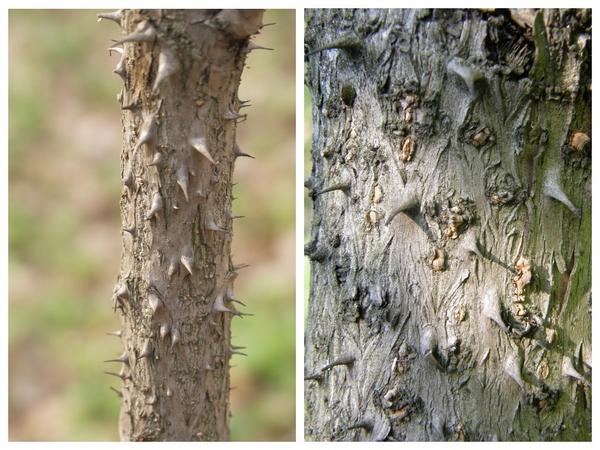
(449, 244)
(151, 225)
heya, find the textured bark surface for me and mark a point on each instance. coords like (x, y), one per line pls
(181, 71)
(450, 289)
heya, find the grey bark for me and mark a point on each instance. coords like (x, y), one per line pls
(450, 292)
(181, 71)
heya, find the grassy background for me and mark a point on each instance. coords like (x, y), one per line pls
(64, 238)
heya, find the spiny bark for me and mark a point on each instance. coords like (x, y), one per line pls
(451, 237)
(181, 71)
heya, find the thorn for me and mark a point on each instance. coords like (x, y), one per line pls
(232, 217)
(116, 391)
(349, 42)
(148, 133)
(569, 371)
(428, 345)
(410, 201)
(365, 424)
(187, 258)
(144, 32)
(235, 300)
(219, 305)
(512, 367)
(199, 144)
(130, 230)
(146, 350)
(157, 205)
(122, 292)
(347, 360)
(466, 73)
(553, 189)
(173, 265)
(117, 333)
(469, 243)
(344, 187)
(155, 302)
(121, 375)
(115, 16)
(209, 224)
(182, 181)
(254, 46)
(315, 376)
(132, 106)
(175, 337)
(157, 160)
(120, 68)
(239, 23)
(237, 347)
(128, 178)
(124, 358)
(164, 330)
(233, 351)
(230, 295)
(491, 307)
(231, 115)
(240, 266)
(239, 153)
(168, 65)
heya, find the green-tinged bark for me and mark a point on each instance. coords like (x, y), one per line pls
(450, 289)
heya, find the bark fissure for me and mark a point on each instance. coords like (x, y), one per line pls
(463, 231)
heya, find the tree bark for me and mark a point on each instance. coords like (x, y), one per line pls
(450, 292)
(181, 71)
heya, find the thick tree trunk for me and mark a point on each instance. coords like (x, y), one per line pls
(181, 71)
(451, 240)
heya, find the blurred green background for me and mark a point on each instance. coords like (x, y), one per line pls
(64, 238)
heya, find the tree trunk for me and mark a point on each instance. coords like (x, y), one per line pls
(451, 238)
(181, 71)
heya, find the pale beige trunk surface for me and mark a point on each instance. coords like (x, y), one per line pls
(181, 71)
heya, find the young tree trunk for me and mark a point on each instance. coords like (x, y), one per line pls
(450, 289)
(181, 71)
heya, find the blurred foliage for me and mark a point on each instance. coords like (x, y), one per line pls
(64, 230)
